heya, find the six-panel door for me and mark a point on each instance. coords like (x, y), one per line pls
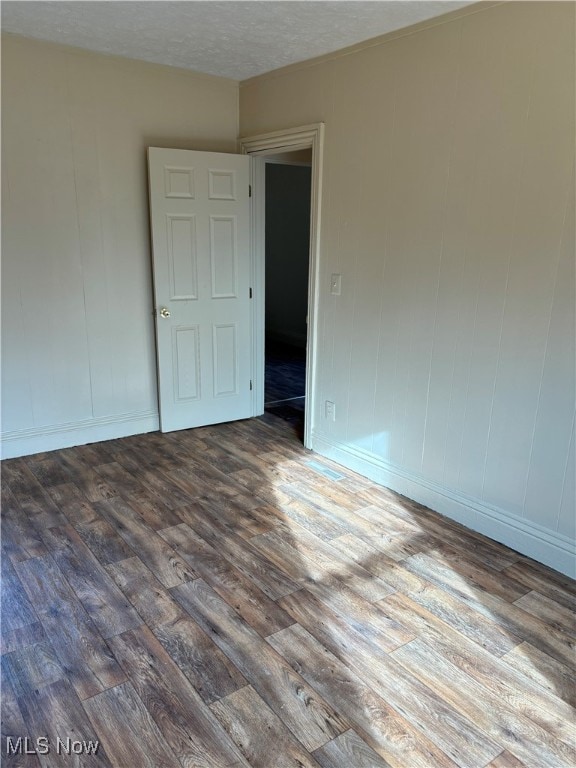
(199, 210)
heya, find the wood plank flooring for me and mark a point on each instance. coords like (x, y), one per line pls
(212, 598)
(285, 383)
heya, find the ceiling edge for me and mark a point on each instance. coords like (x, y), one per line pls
(421, 26)
(74, 50)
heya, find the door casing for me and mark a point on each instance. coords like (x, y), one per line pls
(303, 137)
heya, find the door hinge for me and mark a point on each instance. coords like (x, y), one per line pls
(250, 385)
(249, 190)
(250, 292)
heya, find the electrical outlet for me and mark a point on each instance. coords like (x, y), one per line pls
(330, 410)
(336, 285)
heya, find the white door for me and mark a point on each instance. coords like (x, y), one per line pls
(199, 209)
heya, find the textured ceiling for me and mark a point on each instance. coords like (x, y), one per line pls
(233, 39)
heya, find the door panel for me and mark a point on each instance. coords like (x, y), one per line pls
(199, 209)
(182, 258)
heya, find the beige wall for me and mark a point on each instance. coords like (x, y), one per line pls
(448, 208)
(78, 357)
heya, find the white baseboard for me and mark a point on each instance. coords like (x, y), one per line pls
(530, 539)
(36, 440)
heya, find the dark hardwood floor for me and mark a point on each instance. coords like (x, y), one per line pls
(221, 597)
(285, 383)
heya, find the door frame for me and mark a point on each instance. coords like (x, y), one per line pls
(292, 139)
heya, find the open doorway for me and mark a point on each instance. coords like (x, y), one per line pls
(288, 178)
(285, 142)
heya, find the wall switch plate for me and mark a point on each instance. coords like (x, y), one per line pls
(330, 410)
(336, 284)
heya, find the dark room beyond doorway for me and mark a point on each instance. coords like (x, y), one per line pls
(288, 187)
